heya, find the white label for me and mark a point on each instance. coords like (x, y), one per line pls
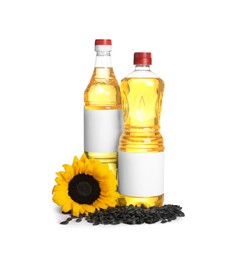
(141, 174)
(102, 129)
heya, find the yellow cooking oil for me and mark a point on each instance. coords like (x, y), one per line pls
(102, 107)
(142, 93)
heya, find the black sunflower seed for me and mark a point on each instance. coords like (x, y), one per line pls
(64, 222)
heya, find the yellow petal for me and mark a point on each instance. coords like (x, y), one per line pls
(88, 208)
(77, 209)
(111, 203)
(103, 201)
(69, 170)
(59, 200)
(62, 193)
(68, 177)
(59, 173)
(67, 206)
(109, 199)
(75, 162)
(80, 167)
(88, 168)
(59, 195)
(61, 181)
(100, 205)
(60, 188)
(83, 158)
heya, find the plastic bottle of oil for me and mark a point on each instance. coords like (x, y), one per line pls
(102, 110)
(141, 149)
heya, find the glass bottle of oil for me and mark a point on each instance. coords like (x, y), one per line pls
(141, 148)
(102, 110)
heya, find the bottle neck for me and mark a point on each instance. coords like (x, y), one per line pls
(103, 59)
(142, 67)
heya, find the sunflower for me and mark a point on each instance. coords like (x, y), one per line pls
(85, 186)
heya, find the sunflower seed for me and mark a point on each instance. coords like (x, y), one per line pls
(64, 222)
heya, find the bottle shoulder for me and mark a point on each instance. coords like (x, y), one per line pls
(142, 74)
(145, 76)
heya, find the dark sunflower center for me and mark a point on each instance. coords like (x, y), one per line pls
(84, 189)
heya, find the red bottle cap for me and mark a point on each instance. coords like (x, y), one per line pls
(142, 58)
(103, 42)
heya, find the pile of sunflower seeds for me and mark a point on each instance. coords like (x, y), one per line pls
(131, 215)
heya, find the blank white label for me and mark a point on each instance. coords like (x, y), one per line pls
(141, 174)
(102, 129)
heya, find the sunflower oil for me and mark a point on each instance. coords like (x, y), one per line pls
(102, 110)
(141, 147)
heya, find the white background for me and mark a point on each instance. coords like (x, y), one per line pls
(46, 60)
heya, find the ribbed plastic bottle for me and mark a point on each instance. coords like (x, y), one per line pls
(102, 110)
(141, 148)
